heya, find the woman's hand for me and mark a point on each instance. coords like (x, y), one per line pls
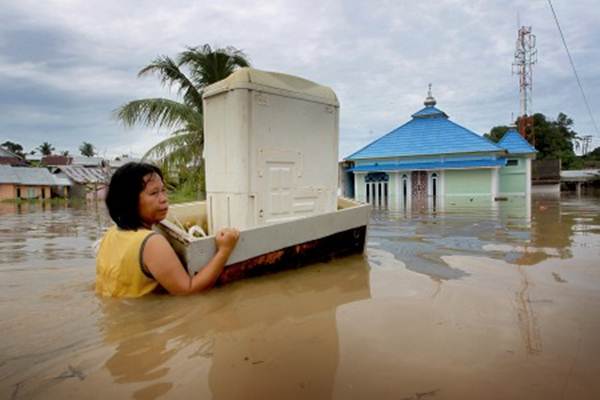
(226, 239)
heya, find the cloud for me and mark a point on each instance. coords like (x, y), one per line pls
(65, 65)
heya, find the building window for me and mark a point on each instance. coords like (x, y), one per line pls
(512, 163)
(377, 188)
(434, 180)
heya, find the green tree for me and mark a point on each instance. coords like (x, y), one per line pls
(556, 139)
(594, 154)
(14, 148)
(496, 133)
(87, 149)
(45, 149)
(553, 139)
(191, 71)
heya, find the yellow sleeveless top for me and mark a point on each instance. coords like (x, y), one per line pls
(119, 264)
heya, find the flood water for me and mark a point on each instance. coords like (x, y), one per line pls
(468, 302)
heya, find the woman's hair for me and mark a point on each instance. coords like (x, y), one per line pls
(122, 199)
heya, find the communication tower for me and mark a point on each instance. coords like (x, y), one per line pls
(525, 57)
(585, 144)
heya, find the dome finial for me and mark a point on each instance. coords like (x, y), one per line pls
(429, 101)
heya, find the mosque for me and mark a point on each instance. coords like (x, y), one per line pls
(432, 158)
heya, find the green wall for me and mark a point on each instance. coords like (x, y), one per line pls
(468, 182)
(513, 178)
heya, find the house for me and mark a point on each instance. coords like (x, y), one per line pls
(27, 183)
(433, 159)
(86, 182)
(10, 158)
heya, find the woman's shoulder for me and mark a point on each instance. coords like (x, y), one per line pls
(156, 241)
(128, 233)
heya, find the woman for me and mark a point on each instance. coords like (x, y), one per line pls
(132, 259)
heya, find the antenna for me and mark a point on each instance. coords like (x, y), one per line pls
(525, 57)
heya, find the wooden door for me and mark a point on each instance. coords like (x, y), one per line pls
(419, 184)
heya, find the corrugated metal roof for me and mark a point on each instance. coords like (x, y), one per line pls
(61, 179)
(580, 175)
(34, 176)
(88, 161)
(430, 132)
(447, 164)
(6, 153)
(84, 175)
(26, 176)
(515, 143)
(7, 174)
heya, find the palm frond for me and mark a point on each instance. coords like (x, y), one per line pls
(158, 112)
(209, 65)
(169, 73)
(183, 148)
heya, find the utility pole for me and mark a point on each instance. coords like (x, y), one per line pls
(525, 57)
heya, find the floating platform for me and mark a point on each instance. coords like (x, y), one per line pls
(270, 248)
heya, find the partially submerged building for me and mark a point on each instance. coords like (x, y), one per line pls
(432, 158)
(28, 183)
(87, 182)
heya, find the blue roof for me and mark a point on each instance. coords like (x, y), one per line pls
(429, 112)
(515, 143)
(429, 132)
(448, 164)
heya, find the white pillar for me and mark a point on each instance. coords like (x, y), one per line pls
(494, 190)
(398, 189)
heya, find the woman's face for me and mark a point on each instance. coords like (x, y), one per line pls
(153, 205)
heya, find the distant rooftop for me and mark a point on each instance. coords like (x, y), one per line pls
(6, 153)
(55, 159)
(10, 158)
(87, 161)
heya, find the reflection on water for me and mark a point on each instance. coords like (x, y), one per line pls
(38, 232)
(521, 231)
(236, 335)
(447, 303)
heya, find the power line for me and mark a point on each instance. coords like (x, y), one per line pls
(573, 66)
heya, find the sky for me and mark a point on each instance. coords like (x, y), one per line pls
(65, 66)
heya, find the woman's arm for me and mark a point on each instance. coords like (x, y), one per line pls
(161, 260)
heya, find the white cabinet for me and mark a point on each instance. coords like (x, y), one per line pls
(271, 149)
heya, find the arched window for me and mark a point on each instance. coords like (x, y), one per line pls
(434, 186)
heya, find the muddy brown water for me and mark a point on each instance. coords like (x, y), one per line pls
(464, 302)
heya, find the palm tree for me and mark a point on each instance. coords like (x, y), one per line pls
(183, 149)
(45, 149)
